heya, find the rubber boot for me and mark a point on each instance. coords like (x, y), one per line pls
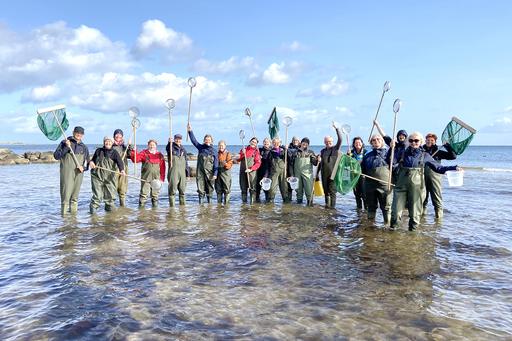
(299, 201)
(182, 200)
(328, 202)
(171, 200)
(73, 208)
(142, 204)
(122, 202)
(226, 199)
(208, 199)
(333, 201)
(387, 217)
(253, 198)
(201, 199)
(439, 214)
(154, 203)
(219, 198)
(110, 208)
(64, 209)
(244, 197)
(371, 215)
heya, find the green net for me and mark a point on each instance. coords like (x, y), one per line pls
(458, 134)
(347, 174)
(273, 124)
(49, 119)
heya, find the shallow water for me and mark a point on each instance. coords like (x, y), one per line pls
(267, 272)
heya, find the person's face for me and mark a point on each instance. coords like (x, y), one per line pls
(401, 138)
(152, 145)
(295, 142)
(178, 142)
(78, 136)
(430, 141)
(376, 142)
(118, 138)
(328, 142)
(276, 143)
(208, 140)
(358, 144)
(414, 142)
(303, 145)
(253, 143)
(107, 144)
(222, 147)
(266, 143)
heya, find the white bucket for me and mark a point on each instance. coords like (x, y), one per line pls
(265, 183)
(455, 178)
(294, 182)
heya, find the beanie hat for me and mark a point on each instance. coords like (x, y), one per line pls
(401, 132)
(305, 140)
(118, 131)
(79, 130)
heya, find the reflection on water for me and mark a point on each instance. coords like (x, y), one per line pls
(268, 271)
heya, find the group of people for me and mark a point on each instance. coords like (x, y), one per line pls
(415, 170)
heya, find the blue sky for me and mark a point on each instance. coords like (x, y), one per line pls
(317, 62)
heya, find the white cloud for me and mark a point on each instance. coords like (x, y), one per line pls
(42, 94)
(502, 125)
(233, 64)
(344, 111)
(54, 52)
(332, 87)
(294, 46)
(156, 35)
(281, 73)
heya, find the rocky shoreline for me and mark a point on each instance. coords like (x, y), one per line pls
(7, 157)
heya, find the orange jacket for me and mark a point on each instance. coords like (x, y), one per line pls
(225, 160)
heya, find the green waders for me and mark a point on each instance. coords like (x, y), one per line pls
(278, 180)
(434, 189)
(70, 182)
(377, 194)
(223, 185)
(177, 178)
(359, 193)
(303, 170)
(410, 193)
(248, 186)
(122, 181)
(205, 184)
(149, 172)
(329, 185)
(104, 185)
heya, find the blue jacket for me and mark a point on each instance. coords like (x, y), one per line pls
(414, 158)
(375, 158)
(205, 150)
(78, 148)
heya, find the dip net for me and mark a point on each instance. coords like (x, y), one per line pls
(347, 175)
(458, 134)
(52, 121)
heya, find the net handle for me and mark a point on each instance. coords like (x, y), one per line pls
(464, 124)
(63, 133)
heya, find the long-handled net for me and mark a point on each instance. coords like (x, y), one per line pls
(49, 119)
(458, 134)
(347, 175)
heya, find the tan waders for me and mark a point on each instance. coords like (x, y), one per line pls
(303, 170)
(204, 181)
(409, 192)
(434, 189)
(70, 182)
(278, 180)
(149, 172)
(104, 185)
(248, 186)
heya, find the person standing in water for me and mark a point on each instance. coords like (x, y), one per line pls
(433, 185)
(177, 173)
(264, 167)
(376, 193)
(71, 174)
(327, 159)
(122, 181)
(357, 152)
(293, 148)
(207, 165)
(153, 168)
(276, 171)
(410, 186)
(104, 165)
(248, 175)
(303, 162)
(223, 181)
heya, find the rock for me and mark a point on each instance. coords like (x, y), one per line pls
(22, 161)
(47, 157)
(192, 171)
(191, 157)
(7, 162)
(5, 153)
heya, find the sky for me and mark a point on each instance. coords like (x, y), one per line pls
(317, 62)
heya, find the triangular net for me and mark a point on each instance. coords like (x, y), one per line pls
(48, 120)
(347, 174)
(458, 134)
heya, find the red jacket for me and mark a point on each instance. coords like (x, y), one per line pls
(252, 152)
(146, 156)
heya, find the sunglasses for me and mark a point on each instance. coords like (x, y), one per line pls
(414, 140)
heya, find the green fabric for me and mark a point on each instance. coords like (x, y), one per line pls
(457, 136)
(104, 184)
(122, 181)
(303, 170)
(273, 124)
(205, 184)
(433, 189)
(223, 182)
(244, 185)
(70, 181)
(49, 126)
(278, 180)
(347, 174)
(177, 176)
(409, 193)
(149, 172)
(376, 193)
